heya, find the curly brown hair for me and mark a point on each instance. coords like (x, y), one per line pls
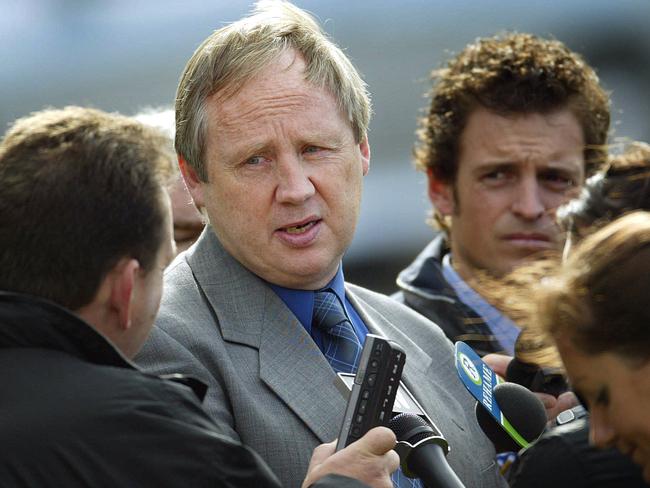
(510, 73)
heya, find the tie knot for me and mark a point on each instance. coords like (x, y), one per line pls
(328, 310)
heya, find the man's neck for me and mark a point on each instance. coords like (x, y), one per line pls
(466, 273)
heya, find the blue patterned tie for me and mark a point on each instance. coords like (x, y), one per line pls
(342, 348)
(340, 343)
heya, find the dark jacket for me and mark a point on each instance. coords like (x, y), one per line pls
(563, 458)
(423, 288)
(74, 412)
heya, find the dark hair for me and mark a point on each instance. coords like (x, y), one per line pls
(80, 190)
(511, 73)
(623, 186)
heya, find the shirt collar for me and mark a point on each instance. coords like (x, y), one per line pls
(301, 302)
(504, 329)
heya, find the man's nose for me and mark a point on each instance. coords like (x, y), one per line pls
(528, 203)
(294, 185)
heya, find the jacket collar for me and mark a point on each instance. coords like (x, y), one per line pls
(29, 321)
(424, 275)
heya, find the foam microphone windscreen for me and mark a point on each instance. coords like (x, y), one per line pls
(523, 410)
(425, 456)
(410, 428)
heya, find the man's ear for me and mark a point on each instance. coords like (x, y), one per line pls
(192, 181)
(122, 289)
(441, 194)
(364, 147)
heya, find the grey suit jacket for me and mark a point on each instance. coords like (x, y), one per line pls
(269, 384)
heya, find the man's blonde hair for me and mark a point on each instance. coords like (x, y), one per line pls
(234, 54)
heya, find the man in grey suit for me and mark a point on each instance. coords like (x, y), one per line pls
(271, 138)
(78, 299)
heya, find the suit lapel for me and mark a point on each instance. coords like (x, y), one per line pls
(249, 312)
(292, 365)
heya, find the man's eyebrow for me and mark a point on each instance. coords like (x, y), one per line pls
(562, 166)
(497, 162)
(234, 154)
(494, 165)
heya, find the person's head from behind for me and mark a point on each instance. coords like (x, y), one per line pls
(84, 217)
(596, 309)
(622, 186)
(514, 125)
(187, 219)
(271, 122)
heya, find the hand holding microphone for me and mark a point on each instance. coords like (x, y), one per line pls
(371, 460)
(377, 396)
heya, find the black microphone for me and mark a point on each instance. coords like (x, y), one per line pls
(535, 378)
(422, 452)
(523, 410)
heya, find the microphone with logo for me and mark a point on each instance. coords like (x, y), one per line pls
(510, 415)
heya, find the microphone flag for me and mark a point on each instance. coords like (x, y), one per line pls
(480, 380)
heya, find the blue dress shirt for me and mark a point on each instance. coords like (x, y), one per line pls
(504, 329)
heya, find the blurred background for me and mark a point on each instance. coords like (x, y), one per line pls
(125, 55)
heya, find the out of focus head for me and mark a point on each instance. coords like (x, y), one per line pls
(597, 311)
(514, 125)
(84, 218)
(271, 121)
(622, 186)
(187, 219)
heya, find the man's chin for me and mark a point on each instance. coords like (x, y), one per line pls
(505, 267)
(303, 274)
(520, 255)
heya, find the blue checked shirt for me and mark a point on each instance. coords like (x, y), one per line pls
(504, 329)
